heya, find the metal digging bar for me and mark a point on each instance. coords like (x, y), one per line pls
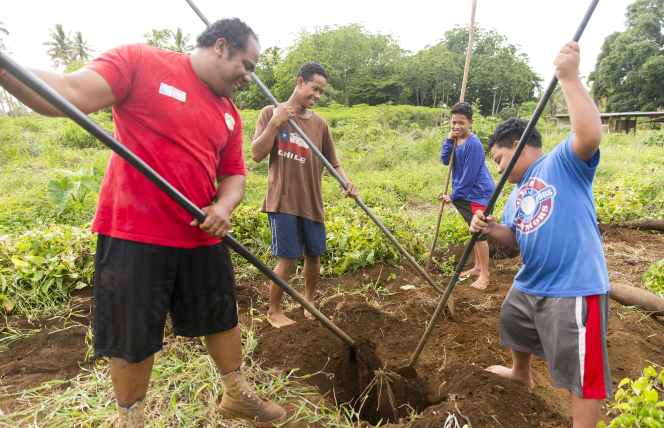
(334, 173)
(59, 102)
(408, 371)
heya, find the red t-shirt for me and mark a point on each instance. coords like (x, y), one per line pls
(171, 120)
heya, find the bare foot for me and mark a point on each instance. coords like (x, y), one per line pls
(511, 375)
(473, 272)
(278, 319)
(308, 314)
(481, 283)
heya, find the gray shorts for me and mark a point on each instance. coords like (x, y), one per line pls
(569, 333)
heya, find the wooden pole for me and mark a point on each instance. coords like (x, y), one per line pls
(469, 51)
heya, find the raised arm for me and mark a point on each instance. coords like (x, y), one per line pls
(264, 140)
(85, 89)
(586, 122)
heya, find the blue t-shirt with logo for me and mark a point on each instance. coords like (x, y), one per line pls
(552, 211)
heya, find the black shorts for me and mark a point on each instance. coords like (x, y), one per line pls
(136, 284)
(467, 210)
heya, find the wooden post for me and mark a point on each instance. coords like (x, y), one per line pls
(468, 52)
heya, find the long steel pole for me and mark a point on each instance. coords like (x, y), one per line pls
(67, 108)
(466, 68)
(408, 371)
(332, 171)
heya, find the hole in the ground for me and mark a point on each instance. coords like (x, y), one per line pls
(375, 392)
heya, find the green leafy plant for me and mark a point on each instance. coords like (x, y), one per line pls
(654, 278)
(75, 184)
(638, 402)
(42, 266)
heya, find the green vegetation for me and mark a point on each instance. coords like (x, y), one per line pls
(638, 402)
(654, 278)
(629, 71)
(390, 152)
(373, 69)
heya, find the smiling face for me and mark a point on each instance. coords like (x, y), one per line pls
(231, 72)
(460, 125)
(502, 156)
(309, 93)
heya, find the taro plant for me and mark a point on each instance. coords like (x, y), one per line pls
(638, 402)
(654, 278)
(75, 185)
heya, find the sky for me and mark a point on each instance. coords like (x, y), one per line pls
(541, 28)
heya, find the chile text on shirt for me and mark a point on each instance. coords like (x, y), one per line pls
(292, 146)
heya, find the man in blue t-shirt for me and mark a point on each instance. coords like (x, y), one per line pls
(472, 184)
(558, 308)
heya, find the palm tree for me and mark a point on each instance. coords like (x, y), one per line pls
(180, 42)
(61, 50)
(81, 50)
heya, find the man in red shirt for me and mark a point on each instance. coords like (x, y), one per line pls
(174, 111)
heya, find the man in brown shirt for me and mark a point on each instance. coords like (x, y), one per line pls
(294, 197)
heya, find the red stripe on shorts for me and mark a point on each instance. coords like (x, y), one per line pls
(593, 376)
(475, 207)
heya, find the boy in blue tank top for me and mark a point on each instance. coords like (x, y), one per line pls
(472, 184)
(558, 308)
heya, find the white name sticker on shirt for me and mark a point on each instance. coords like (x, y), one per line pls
(172, 92)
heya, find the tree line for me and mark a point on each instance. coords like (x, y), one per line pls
(629, 72)
(372, 68)
(367, 68)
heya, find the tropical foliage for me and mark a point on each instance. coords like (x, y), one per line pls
(367, 68)
(629, 72)
(167, 39)
(638, 402)
(65, 50)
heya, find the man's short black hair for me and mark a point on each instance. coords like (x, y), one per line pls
(511, 130)
(308, 69)
(235, 31)
(462, 108)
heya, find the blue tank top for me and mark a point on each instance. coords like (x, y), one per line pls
(552, 211)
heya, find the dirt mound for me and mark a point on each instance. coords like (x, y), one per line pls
(45, 349)
(487, 399)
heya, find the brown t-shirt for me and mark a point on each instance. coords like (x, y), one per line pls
(295, 172)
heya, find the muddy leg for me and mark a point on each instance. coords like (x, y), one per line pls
(130, 381)
(225, 348)
(520, 371)
(482, 262)
(274, 315)
(311, 275)
(585, 412)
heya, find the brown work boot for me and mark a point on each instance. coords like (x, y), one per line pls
(241, 402)
(131, 417)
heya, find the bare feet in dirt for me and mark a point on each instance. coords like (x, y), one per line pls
(502, 371)
(278, 319)
(308, 314)
(481, 283)
(473, 272)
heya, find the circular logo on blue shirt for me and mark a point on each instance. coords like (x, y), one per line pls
(534, 205)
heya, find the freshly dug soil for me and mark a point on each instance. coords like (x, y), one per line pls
(387, 322)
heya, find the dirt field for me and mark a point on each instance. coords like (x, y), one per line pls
(387, 327)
